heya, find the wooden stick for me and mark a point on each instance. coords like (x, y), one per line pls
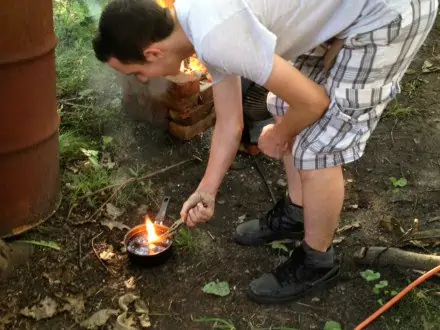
(97, 255)
(145, 177)
(260, 171)
(398, 257)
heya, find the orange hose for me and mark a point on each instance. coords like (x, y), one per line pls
(401, 294)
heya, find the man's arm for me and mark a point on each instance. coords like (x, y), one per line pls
(227, 132)
(307, 100)
(225, 141)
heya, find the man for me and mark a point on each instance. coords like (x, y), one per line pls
(348, 57)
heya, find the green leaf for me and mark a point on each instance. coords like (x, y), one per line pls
(394, 293)
(376, 290)
(279, 246)
(106, 140)
(332, 325)
(52, 245)
(381, 284)
(370, 275)
(380, 301)
(402, 182)
(217, 288)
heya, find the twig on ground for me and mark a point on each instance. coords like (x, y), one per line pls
(421, 273)
(80, 251)
(70, 211)
(145, 177)
(401, 239)
(90, 219)
(392, 131)
(257, 165)
(97, 255)
(212, 236)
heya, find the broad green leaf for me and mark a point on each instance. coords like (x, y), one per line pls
(370, 275)
(381, 284)
(107, 140)
(279, 246)
(332, 325)
(217, 288)
(52, 245)
(380, 301)
(394, 293)
(402, 182)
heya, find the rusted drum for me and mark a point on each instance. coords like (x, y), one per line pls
(29, 150)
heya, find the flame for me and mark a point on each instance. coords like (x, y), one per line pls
(166, 3)
(193, 65)
(152, 237)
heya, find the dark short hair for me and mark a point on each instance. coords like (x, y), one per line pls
(126, 27)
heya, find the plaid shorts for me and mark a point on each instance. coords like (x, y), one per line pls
(363, 80)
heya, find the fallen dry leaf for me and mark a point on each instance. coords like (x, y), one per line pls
(107, 254)
(124, 323)
(125, 300)
(114, 224)
(99, 318)
(50, 279)
(45, 309)
(429, 66)
(353, 225)
(144, 320)
(141, 307)
(338, 240)
(74, 304)
(113, 211)
(129, 284)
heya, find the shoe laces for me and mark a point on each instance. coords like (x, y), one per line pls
(292, 270)
(270, 220)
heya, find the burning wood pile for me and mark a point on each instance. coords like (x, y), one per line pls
(187, 107)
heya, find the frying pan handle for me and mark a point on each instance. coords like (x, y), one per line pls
(160, 217)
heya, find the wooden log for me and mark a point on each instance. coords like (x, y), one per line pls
(397, 257)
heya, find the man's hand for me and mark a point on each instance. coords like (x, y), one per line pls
(274, 142)
(199, 208)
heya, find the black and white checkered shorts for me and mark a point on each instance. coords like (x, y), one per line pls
(363, 80)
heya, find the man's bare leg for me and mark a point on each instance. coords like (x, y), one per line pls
(293, 181)
(323, 195)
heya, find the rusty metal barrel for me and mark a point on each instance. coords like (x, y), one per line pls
(29, 122)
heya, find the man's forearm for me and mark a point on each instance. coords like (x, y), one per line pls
(224, 147)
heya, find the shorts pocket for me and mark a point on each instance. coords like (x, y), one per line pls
(364, 98)
(382, 36)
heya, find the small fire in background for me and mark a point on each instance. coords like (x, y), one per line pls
(191, 65)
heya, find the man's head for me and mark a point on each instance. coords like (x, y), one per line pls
(133, 38)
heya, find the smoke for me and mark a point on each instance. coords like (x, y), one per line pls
(95, 8)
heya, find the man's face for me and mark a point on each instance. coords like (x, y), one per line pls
(157, 64)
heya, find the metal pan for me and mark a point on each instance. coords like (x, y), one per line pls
(136, 253)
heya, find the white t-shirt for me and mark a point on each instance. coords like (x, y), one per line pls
(240, 37)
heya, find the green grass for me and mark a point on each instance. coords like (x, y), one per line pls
(185, 240)
(71, 144)
(396, 111)
(417, 310)
(85, 181)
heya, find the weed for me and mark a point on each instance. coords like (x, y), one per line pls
(86, 181)
(218, 322)
(415, 311)
(398, 112)
(70, 145)
(185, 240)
(398, 183)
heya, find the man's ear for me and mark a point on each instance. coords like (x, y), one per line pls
(152, 54)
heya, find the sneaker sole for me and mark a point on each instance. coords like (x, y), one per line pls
(330, 283)
(249, 241)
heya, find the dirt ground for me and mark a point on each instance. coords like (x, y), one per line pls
(404, 145)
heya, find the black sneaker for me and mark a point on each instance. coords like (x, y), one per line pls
(284, 221)
(303, 272)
